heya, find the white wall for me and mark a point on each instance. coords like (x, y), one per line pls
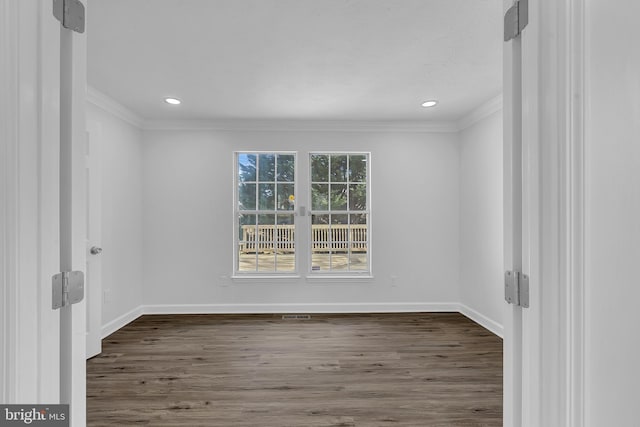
(187, 210)
(121, 150)
(613, 215)
(481, 219)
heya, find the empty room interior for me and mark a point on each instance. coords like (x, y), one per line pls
(295, 210)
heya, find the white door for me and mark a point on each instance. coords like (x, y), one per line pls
(94, 239)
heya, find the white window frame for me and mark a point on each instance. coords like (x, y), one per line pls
(339, 273)
(236, 215)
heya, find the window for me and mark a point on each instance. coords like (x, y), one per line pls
(265, 210)
(269, 230)
(339, 212)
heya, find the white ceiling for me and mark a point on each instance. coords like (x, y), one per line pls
(296, 59)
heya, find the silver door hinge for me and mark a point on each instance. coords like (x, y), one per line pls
(70, 13)
(516, 288)
(516, 18)
(68, 288)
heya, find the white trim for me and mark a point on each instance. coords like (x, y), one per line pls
(109, 104)
(482, 112)
(577, 213)
(27, 110)
(482, 320)
(122, 321)
(9, 196)
(112, 106)
(534, 141)
(304, 125)
(400, 307)
(321, 308)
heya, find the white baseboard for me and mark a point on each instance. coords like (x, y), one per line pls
(299, 308)
(482, 320)
(447, 307)
(122, 321)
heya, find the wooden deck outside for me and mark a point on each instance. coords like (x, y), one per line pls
(285, 262)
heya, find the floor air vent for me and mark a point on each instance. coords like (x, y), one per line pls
(296, 317)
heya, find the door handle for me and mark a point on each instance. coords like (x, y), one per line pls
(95, 250)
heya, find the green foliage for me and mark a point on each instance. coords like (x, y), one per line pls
(338, 182)
(266, 181)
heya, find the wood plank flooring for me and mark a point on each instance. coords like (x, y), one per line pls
(365, 370)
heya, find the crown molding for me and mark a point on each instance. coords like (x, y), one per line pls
(493, 105)
(303, 125)
(112, 106)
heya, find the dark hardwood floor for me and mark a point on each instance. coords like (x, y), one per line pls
(431, 370)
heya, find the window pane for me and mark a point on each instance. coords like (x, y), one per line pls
(320, 250)
(246, 196)
(320, 197)
(358, 197)
(286, 167)
(338, 168)
(339, 261)
(266, 234)
(359, 241)
(246, 228)
(246, 167)
(267, 219)
(286, 197)
(266, 197)
(340, 219)
(247, 256)
(319, 168)
(267, 262)
(358, 261)
(339, 235)
(359, 219)
(247, 262)
(267, 167)
(320, 219)
(338, 197)
(321, 261)
(285, 243)
(358, 168)
(319, 233)
(285, 219)
(286, 262)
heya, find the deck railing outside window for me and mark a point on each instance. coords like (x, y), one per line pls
(324, 238)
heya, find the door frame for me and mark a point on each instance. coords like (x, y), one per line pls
(549, 387)
(29, 207)
(29, 75)
(93, 275)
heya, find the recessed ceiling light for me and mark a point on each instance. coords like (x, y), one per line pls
(173, 101)
(431, 103)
